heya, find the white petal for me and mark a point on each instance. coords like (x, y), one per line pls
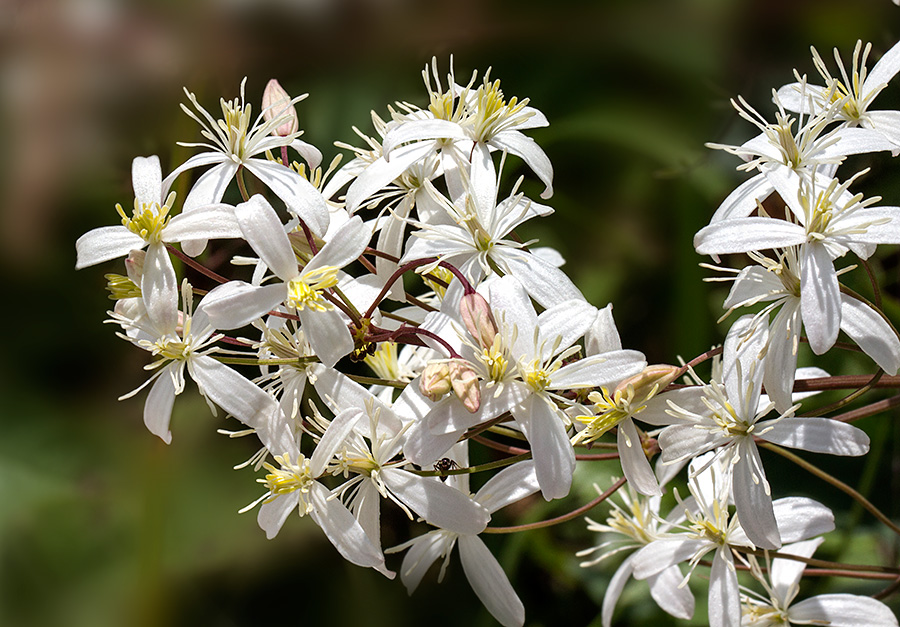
(105, 243)
(204, 158)
(754, 284)
(344, 531)
(158, 406)
(599, 370)
(417, 130)
(439, 504)
(800, 518)
(786, 573)
(614, 591)
(568, 320)
(210, 222)
(511, 484)
(264, 232)
(235, 304)
(843, 610)
(235, 394)
(666, 590)
(272, 515)
(634, 461)
(742, 201)
(380, 173)
(741, 235)
(159, 289)
(334, 438)
(883, 71)
(327, 333)
(753, 500)
(871, 332)
(490, 583)
(661, 554)
(818, 435)
(423, 552)
(301, 198)
(683, 441)
(146, 178)
(554, 459)
(546, 283)
(781, 360)
(348, 243)
(820, 298)
(515, 143)
(602, 336)
(483, 182)
(724, 594)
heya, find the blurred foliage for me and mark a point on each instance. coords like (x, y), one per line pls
(104, 525)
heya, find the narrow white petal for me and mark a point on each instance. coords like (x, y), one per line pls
(424, 551)
(871, 332)
(614, 590)
(146, 178)
(272, 515)
(741, 235)
(105, 243)
(724, 594)
(266, 235)
(602, 336)
(800, 518)
(546, 283)
(786, 573)
(781, 360)
(159, 289)
(158, 406)
(235, 304)
(752, 500)
(204, 158)
(381, 172)
(483, 182)
(634, 461)
(661, 554)
(842, 610)
(439, 504)
(327, 334)
(301, 198)
(568, 320)
(334, 438)
(742, 201)
(516, 143)
(820, 297)
(883, 71)
(490, 583)
(818, 435)
(417, 130)
(676, 600)
(344, 531)
(237, 395)
(210, 221)
(554, 459)
(511, 484)
(348, 243)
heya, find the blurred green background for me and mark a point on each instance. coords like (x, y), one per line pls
(102, 524)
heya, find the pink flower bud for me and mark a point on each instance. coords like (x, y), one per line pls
(465, 384)
(134, 265)
(435, 380)
(276, 103)
(477, 316)
(649, 381)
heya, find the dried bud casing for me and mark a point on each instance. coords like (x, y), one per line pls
(275, 104)
(649, 381)
(465, 384)
(477, 316)
(435, 380)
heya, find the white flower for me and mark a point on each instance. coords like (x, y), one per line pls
(836, 610)
(151, 225)
(484, 573)
(236, 303)
(635, 526)
(826, 224)
(235, 143)
(855, 91)
(727, 417)
(186, 342)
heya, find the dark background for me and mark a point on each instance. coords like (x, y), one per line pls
(102, 524)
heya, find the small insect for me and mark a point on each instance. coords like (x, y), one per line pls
(445, 465)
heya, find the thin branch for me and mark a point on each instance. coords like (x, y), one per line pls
(560, 519)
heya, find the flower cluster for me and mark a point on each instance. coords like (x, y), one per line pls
(406, 259)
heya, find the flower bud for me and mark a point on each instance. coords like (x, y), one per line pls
(435, 380)
(465, 384)
(649, 381)
(277, 103)
(477, 316)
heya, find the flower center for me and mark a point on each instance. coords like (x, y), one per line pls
(306, 290)
(496, 361)
(235, 124)
(291, 477)
(147, 220)
(493, 114)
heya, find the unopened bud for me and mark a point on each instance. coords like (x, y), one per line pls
(435, 380)
(477, 316)
(465, 384)
(649, 381)
(134, 265)
(276, 103)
